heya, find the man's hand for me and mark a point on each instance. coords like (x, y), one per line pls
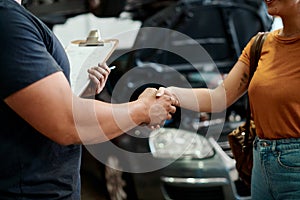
(159, 108)
(98, 76)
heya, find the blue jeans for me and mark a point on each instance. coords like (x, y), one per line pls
(276, 169)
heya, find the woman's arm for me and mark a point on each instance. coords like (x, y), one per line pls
(50, 107)
(213, 100)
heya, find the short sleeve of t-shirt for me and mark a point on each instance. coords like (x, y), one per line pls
(245, 56)
(24, 54)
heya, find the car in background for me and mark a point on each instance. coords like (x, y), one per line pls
(191, 151)
(53, 12)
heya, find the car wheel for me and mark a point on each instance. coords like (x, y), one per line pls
(119, 184)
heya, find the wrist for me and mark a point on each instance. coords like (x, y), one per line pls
(139, 113)
(171, 89)
(173, 92)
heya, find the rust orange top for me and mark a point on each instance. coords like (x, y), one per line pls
(274, 90)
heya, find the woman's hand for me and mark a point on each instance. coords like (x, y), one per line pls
(98, 76)
(168, 92)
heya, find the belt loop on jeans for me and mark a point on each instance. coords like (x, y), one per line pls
(273, 145)
(255, 142)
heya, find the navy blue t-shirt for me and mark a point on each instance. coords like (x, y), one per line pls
(32, 166)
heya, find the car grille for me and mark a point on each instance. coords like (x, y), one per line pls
(194, 193)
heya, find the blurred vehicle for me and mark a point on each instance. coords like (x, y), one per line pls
(205, 168)
(53, 12)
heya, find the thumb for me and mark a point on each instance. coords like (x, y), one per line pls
(160, 92)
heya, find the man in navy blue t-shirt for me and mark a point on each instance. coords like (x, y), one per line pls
(42, 124)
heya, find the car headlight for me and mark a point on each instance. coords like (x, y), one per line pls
(177, 143)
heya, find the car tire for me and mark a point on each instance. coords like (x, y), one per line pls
(119, 185)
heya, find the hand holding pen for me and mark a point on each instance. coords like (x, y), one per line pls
(98, 76)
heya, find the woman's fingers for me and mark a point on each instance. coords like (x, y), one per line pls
(162, 91)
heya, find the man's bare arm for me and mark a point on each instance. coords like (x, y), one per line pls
(50, 107)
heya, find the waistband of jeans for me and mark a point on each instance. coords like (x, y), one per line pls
(279, 144)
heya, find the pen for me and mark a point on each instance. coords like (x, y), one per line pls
(112, 67)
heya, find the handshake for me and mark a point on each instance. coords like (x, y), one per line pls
(159, 105)
(151, 108)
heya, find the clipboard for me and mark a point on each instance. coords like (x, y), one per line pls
(84, 54)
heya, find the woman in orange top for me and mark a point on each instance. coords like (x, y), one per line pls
(275, 104)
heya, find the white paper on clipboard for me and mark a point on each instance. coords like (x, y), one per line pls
(82, 58)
